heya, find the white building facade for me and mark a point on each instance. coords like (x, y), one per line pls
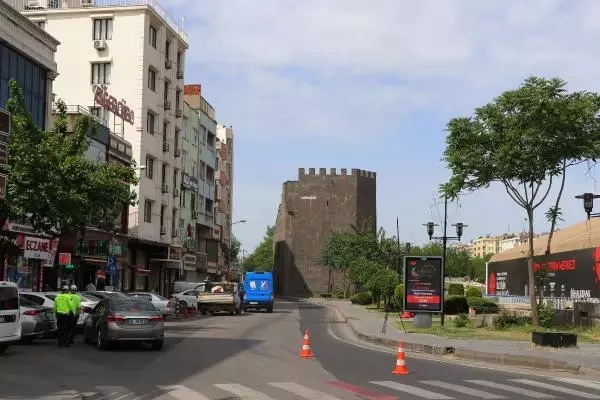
(124, 59)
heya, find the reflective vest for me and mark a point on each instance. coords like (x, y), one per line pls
(75, 301)
(62, 304)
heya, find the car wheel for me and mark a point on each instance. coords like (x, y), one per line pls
(158, 345)
(270, 309)
(100, 342)
(3, 347)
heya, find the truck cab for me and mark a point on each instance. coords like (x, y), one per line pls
(258, 291)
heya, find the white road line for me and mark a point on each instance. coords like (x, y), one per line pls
(303, 391)
(464, 390)
(512, 389)
(415, 391)
(556, 388)
(242, 391)
(181, 392)
(116, 393)
(579, 382)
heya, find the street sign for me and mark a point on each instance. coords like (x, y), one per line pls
(3, 181)
(64, 258)
(423, 284)
(111, 265)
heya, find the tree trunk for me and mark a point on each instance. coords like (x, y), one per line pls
(534, 310)
(556, 204)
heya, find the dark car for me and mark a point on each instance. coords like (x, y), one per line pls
(124, 320)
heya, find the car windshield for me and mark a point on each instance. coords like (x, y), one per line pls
(145, 296)
(132, 305)
(9, 298)
(87, 297)
(26, 303)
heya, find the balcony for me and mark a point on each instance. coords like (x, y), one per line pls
(44, 5)
(165, 146)
(167, 105)
(168, 64)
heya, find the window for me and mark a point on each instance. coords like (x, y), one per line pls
(175, 173)
(179, 61)
(167, 50)
(163, 210)
(148, 211)
(41, 24)
(166, 91)
(174, 221)
(152, 34)
(177, 134)
(194, 169)
(182, 199)
(202, 170)
(96, 111)
(164, 174)
(152, 79)
(165, 130)
(177, 97)
(103, 29)
(150, 122)
(149, 167)
(195, 136)
(184, 160)
(101, 73)
(200, 205)
(193, 202)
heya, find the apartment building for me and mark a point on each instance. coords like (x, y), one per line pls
(124, 60)
(224, 182)
(208, 224)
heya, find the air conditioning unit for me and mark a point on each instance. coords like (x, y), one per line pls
(163, 230)
(165, 188)
(165, 146)
(178, 113)
(195, 214)
(99, 44)
(174, 233)
(179, 74)
(176, 193)
(167, 105)
(87, 3)
(168, 64)
(177, 152)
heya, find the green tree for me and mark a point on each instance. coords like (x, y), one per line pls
(382, 285)
(524, 139)
(52, 185)
(236, 247)
(261, 259)
(361, 270)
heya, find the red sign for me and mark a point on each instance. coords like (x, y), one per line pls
(64, 258)
(558, 265)
(119, 108)
(192, 90)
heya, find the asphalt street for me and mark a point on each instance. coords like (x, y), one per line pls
(254, 356)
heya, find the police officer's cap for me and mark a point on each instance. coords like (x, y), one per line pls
(64, 287)
(73, 287)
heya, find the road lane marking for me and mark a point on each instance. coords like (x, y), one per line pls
(579, 382)
(116, 393)
(362, 392)
(242, 391)
(415, 391)
(556, 388)
(181, 392)
(303, 391)
(464, 389)
(512, 389)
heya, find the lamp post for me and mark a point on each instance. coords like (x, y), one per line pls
(444, 238)
(588, 203)
(241, 221)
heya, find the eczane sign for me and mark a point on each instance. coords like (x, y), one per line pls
(36, 248)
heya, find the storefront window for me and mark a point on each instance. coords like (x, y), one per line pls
(140, 282)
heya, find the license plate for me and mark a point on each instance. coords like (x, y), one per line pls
(137, 321)
(253, 302)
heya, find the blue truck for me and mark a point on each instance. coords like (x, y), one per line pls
(258, 291)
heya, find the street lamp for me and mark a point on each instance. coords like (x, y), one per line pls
(459, 232)
(588, 203)
(241, 221)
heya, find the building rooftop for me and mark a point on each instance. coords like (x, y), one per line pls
(69, 5)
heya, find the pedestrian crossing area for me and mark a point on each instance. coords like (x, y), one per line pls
(393, 389)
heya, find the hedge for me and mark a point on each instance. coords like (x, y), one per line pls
(456, 305)
(456, 289)
(482, 306)
(363, 298)
(473, 291)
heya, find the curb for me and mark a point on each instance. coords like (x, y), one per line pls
(467, 354)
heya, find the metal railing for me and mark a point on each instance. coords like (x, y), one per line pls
(559, 303)
(40, 5)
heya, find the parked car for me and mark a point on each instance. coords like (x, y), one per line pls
(258, 291)
(190, 297)
(223, 296)
(124, 320)
(102, 294)
(10, 318)
(162, 304)
(36, 321)
(47, 299)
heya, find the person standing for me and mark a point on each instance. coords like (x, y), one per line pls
(62, 311)
(90, 286)
(75, 302)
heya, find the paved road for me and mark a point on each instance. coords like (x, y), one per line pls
(255, 357)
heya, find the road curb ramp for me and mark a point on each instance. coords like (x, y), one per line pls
(516, 360)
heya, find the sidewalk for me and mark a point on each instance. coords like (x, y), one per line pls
(23, 386)
(585, 359)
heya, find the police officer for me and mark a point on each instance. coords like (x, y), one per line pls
(75, 301)
(62, 310)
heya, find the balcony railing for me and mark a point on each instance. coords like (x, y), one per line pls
(40, 5)
(80, 110)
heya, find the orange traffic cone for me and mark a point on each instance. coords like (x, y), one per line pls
(306, 352)
(400, 362)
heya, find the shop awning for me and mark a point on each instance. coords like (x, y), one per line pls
(139, 269)
(101, 262)
(175, 264)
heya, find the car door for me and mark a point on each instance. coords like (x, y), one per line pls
(95, 317)
(190, 297)
(10, 317)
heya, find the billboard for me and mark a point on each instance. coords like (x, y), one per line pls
(423, 284)
(571, 274)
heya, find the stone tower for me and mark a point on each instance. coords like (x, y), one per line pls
(311, 209)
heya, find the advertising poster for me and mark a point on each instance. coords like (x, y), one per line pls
(423, 284)
(572, 274)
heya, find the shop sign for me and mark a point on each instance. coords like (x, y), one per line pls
(96, 248)
(36, 248)
(116, 249)
(190, 182)
(192, 90)
(175, 252)
(118, 108)
(189, 259)
(64, 258)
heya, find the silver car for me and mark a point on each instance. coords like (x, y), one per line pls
(164, 305)
(46, 299)
(36, 321)
(124, 320)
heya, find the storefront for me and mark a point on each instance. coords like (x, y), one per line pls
(32, 268)
(170, 269)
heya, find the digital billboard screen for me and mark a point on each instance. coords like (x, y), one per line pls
(423, 284)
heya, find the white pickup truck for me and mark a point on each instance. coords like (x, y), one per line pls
(223, 296)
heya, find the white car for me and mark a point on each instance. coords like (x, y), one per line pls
(163, 305)
(46, 299)
(10, 317)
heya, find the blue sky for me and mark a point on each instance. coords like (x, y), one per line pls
(371, 85)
